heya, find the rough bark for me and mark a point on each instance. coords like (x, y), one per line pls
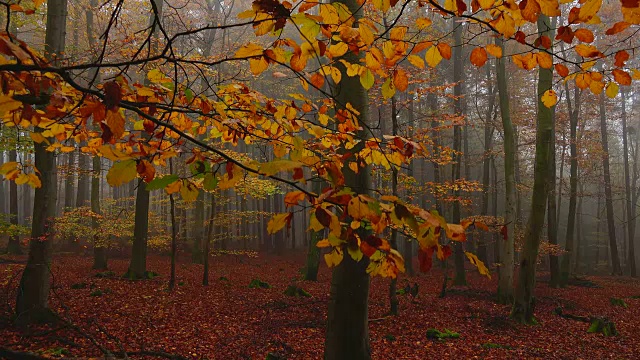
(458, 93)
(33, 291)
(630, 223)
(524, 302)
(99, 245)
(574, 113)
(486, 163)
(611, 226)
(13, 247)
(506, 248)
(347, 335)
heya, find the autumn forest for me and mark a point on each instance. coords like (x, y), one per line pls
(302, 179)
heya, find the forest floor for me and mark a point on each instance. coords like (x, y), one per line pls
(229, 320)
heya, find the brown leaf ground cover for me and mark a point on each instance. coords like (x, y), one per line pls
(228, 320)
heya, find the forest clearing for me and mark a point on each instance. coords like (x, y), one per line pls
(229, 320)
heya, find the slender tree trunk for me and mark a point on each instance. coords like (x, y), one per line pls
(347, 335)
(13, 247)
(524, 302)
(458, 106)
(83, 180)
(506, 247)
(574, 113)
(393, 297)
(552, 225)
(630, 224)
(207, 243)
(69, 181)
(313, 253)
(486, 163)
(99, 245)
(611, 226)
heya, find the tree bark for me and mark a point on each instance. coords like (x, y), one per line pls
(33, 291)
(347, 335)
(506, 247)
(13, 247)
(574, 113)
(630, 224)
(524, 302)
(611, 226)
(458, 94)
(99, 245)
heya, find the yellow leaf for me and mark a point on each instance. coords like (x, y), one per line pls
(355, 253)
(433, 56)
(423, 23)
(549, 7)
(549, 98)
(277, 222)
(112, 153)
(494, 50)
(589, 9)
(8, 104)
(482, 269)
(275, 166)
(122, 172)
(339, 49)
(8, 167)
(188, 191)
(416, 61)
(39, 138)
(334, 258)
(366, 79)
(248, 50)
(366, 35)
(612, 90)
(258, 65)
(388, 90)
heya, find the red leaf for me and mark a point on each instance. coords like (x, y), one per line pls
(504, 232)
(112, 95)
(425, 258)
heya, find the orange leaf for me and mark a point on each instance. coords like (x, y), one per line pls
(445, 50)
(530, 10)
(562, 70)
(621, 57)
(494, 50)
(544, 60)
(317, 80)
(618, 27)
(400, 80)
(587, 51)
(478, 57)
(584, 35)
(621, 77)
(293, 198)
(146, 170)
(115, 121)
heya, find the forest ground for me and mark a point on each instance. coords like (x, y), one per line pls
(228, 320)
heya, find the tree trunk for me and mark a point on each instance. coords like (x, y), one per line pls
(69, 184)
(486, 164)
(13, 247)
(611, 226)
(506, 248)
(313, 253)
(99, 245)
(552, 224)
(630, 224)
(458, 93)
(207, 244)
(83, 180)
(347, 335)
(33, 292)
(524, 302)
(393, 297)
(574, 113)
